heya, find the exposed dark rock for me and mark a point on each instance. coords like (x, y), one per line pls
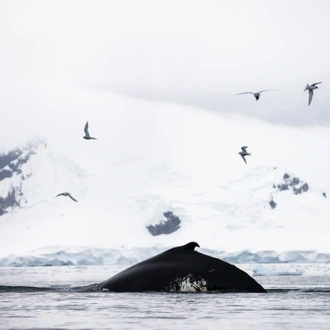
(282, 186)
(168, 226)
(10, 165)
(297, 191)
(294, 181)
(6, 159)
(9, 201)
(304, 187)
(272, 204)
(290, 183)
(15, 166)
(4, 174)
(301, 189)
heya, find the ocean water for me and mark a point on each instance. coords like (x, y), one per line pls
(64, 298)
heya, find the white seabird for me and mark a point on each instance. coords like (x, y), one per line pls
(68, 195)
(257, 94)
(310, 91)
(87, 135)
(244, 153)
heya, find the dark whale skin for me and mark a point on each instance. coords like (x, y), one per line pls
(182, 269)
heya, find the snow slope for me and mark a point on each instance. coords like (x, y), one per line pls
(155, 157)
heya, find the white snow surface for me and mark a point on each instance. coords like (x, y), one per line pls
(150, 158)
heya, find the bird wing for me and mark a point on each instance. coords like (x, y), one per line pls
(61, 194)
(320, 82)
(244, 159)
(244, 149)
(310, 91)
(245, 93)
(86, 130)
(72, 198)
(267, 90)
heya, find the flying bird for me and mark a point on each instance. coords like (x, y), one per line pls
(310, 90)
(244, 153)
(68, 195)
(257, 94)
(87, 135)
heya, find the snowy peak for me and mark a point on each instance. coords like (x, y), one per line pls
(160, 175)
(28, 174)
(12, 175)
(169, 209)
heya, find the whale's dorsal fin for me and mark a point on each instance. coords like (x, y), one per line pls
(190, 246)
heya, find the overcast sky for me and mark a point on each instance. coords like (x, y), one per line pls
(198, 53)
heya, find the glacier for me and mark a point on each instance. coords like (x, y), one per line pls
(80, 256)
(151, 158)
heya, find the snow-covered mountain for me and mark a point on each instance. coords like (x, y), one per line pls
(158, 175)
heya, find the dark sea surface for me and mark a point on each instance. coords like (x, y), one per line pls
(65, 298)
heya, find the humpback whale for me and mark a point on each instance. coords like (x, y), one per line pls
(182, 269)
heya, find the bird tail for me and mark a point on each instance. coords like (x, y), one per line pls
(307, 86)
